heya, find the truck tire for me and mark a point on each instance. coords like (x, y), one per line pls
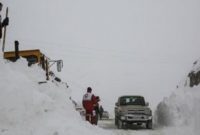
(149, 124)
(115, 121)
(119, 124)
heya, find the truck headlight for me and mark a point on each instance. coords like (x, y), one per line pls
(148, 112)
(122, 112)
(123, 117)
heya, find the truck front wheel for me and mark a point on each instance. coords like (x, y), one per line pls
(116, 121)
(120, 124)
(149, 124)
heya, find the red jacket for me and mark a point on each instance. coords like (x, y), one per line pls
(88, 102)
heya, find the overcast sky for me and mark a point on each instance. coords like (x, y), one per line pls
(120, 46)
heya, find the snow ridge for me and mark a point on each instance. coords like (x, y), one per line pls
(182, 108)
(27, 108)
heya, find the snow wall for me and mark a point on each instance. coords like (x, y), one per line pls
(29, 108)
(182, 108)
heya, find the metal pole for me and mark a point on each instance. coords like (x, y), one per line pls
(4, 34)
(16, 50)
(47, 70)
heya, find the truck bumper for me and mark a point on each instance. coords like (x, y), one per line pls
(135, 118)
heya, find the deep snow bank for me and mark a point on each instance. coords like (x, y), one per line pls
(182, 108)
(27, 108)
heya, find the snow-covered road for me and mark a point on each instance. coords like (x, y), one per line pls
(133, 130)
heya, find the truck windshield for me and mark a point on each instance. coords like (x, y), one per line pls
(132, 100)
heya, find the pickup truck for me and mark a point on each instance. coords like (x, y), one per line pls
(132, 109)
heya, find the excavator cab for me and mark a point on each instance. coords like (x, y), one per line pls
(32, 56)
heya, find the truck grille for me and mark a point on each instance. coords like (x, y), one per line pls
(136, 112)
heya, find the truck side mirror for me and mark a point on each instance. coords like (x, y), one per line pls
(147, 104)
(117, 104)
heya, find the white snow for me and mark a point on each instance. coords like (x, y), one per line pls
(27, 108)
(180, 111)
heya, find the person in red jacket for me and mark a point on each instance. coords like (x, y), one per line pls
(88, 104)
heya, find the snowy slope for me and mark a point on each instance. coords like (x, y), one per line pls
(181, 109)
(27, 108)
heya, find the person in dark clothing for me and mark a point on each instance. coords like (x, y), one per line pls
(101, 112)
(96, 108)
(3, 23)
